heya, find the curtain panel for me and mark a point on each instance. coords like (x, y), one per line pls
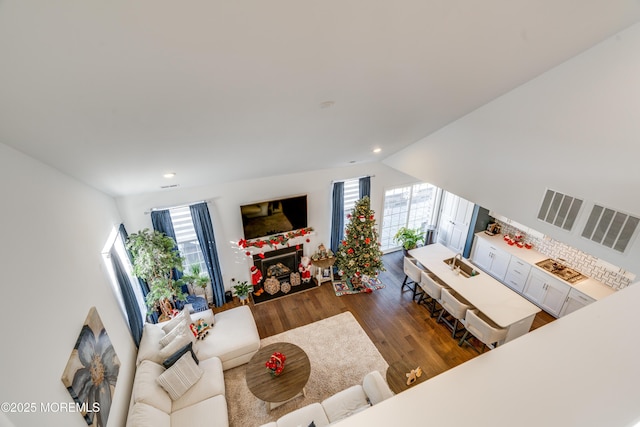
(130, 303)
(337, 216)
(204, 231)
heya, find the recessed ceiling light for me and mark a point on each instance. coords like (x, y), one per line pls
(169, 174)
(377, 150)
(327, 104)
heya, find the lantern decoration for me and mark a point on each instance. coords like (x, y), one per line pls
(275, 364)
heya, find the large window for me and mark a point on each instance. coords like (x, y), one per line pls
(186, 239)
(414, 206)
(351, 196)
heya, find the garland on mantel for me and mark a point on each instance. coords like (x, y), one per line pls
(273, 241)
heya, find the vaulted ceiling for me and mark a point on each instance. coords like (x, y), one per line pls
(118, 93)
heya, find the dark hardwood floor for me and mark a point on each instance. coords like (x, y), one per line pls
(400, 328)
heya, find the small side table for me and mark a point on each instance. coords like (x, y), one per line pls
(397, 376)
(323, 264)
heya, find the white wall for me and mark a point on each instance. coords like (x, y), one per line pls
(574, 129)
(54, 230)
(226, 199)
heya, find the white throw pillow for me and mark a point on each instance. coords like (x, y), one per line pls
(168, 326)
(181, 328)
(180, 377)
(181, 339)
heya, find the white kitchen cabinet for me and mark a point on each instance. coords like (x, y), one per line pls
(546, 292)
(517, 274)
(490, 259)
(574, 301)
(453, 225)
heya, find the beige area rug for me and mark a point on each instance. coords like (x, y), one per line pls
(340, 352)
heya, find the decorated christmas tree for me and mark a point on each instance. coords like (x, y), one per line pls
(359, 253)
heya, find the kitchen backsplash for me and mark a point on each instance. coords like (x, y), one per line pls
(574, 258)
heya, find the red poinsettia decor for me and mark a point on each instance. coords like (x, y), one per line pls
(275, 364)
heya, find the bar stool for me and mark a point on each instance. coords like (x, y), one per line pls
(431, 293)
(456, 306)
(484, 329)
(412, 276)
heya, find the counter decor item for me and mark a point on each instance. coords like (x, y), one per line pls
(275, 364)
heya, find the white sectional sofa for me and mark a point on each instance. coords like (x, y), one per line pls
(374, 389)
(231, 342)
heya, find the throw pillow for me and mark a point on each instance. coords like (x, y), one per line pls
(168, 326)
(171, 360)
(181, 339)
(180, 377)
(181, 328)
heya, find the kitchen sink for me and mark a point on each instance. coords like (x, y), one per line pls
(465, 269)
(560, 270)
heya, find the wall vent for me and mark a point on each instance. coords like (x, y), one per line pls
(559, 209)
(610, 228)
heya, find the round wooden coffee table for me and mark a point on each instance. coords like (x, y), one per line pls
(289, 384)
(397, 376)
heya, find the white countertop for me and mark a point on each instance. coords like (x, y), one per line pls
(589, 287)
(502, 305)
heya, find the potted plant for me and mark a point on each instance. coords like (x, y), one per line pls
(155, 258)
(409, 238)
(196, 278)
(242, 290)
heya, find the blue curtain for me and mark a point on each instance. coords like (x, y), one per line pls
(129, 297)
(161, 221)
(204, 231)
(337, 216)
(144, 287)
(365, 186)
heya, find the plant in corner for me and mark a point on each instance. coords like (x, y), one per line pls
(242, 290)
(408, 237)
(196, 278)
(155, 257)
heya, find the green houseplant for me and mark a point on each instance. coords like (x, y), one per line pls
(408, 237)
(242, 290)
(154, 259)
(196, 278)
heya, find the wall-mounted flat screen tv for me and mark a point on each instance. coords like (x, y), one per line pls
(274, 216)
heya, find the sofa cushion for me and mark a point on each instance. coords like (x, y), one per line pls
(143, 415)
(146, 388)
(376, 387)
(234, 335)
(345, 403)
(305, 416)
(210, 384)
(150, 344)
(169, 325)
(208, 413)
(180, 377)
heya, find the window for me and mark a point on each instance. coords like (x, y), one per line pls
(351, 196)
(413, 207)
(186, 239)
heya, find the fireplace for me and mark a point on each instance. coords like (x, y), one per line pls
(276, 263)
(279, 264)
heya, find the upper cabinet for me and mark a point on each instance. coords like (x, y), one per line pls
(455, 218)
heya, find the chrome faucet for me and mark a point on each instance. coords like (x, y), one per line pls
(453, 261)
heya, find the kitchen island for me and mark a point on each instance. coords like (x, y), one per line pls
(503, 306)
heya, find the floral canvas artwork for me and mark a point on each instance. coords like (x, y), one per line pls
(92, 371)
